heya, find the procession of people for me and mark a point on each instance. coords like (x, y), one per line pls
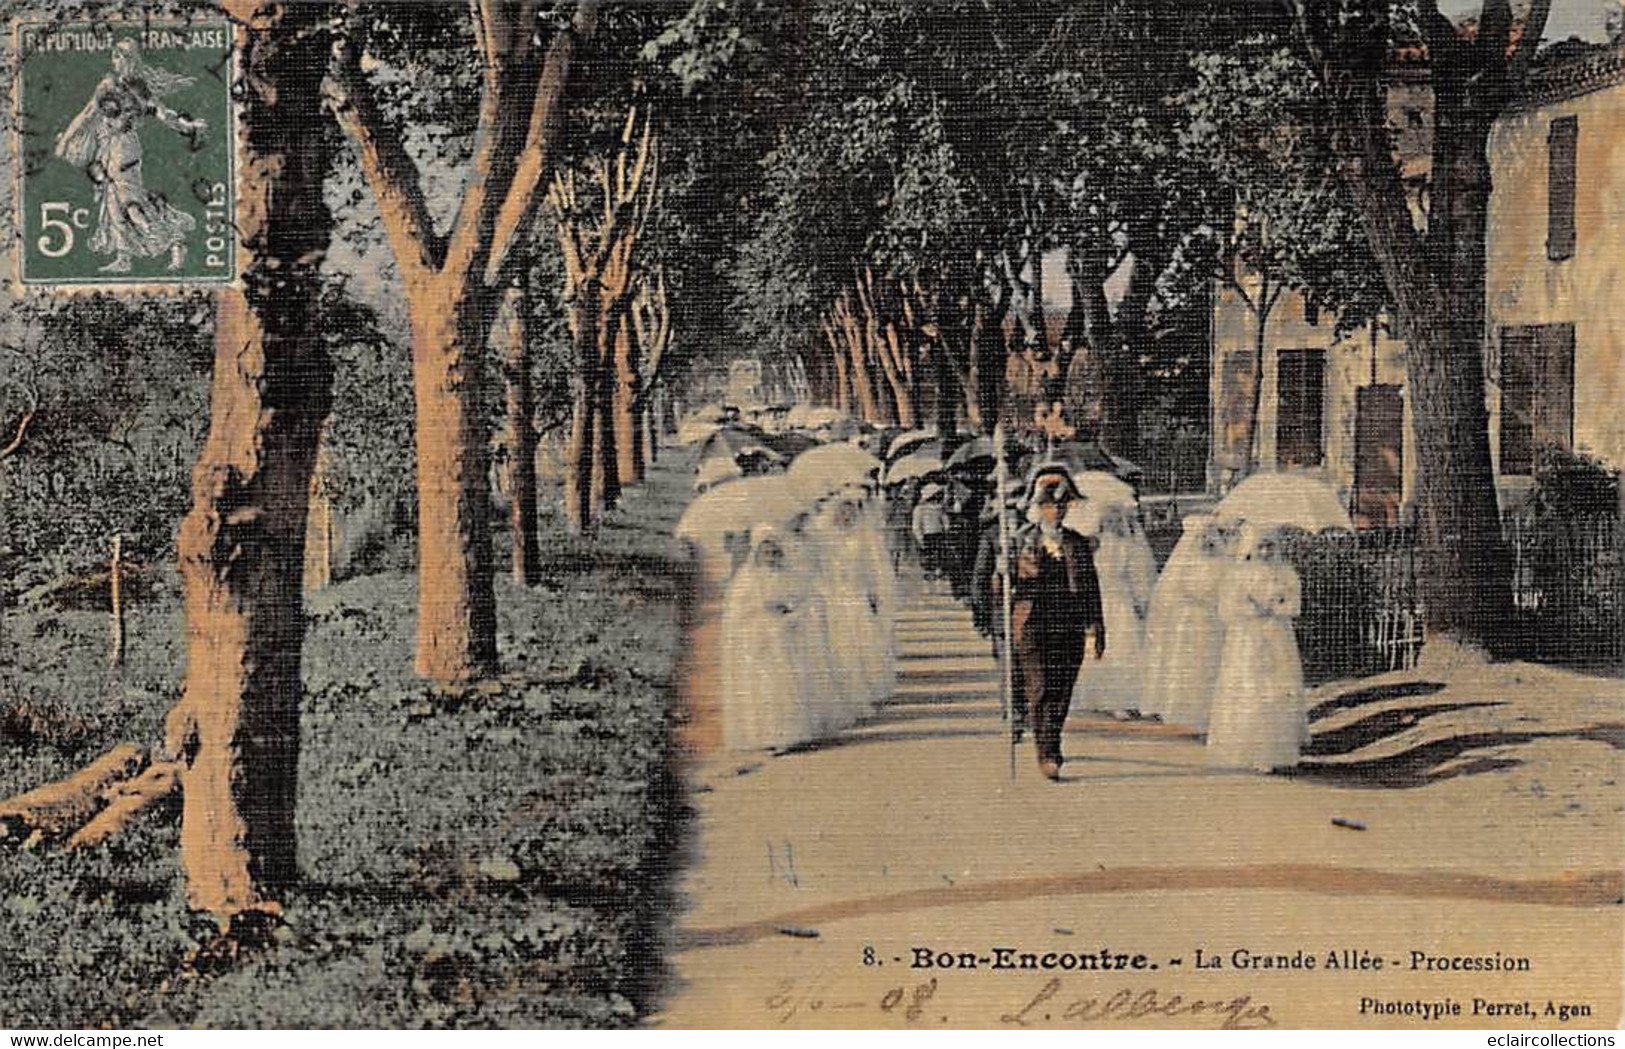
(802, 538)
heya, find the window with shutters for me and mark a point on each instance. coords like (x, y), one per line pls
(1300, 379)
(1537, 394)
(1562, 140)
(1379, 454)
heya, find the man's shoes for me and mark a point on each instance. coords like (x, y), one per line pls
(1051, 770)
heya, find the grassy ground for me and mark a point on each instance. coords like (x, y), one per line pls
(495, 857)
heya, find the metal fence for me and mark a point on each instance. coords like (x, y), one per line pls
(1361, 613)
(1568, 588)
(1176, 464)
(1362, 610)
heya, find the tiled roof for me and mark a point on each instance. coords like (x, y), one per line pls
(1577, 71)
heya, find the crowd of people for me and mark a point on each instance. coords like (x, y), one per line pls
(804, 546)
(797, 556)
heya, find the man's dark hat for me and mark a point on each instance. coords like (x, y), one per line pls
(1052, 484)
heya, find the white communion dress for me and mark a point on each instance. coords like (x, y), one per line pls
(843, 580)
(1184, 632)
(775, 672)
(1128, 572)
(1259, 720)
(881, 580)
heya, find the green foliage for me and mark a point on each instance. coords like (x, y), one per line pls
(1574, 484)
(1255, 123)
(369, 434)
(495, 857)
(121, 387)
(713, 37)
(873, 170)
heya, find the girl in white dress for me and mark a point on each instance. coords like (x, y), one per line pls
(1184, 631)
(1127, 570)
(775, 672)
(883, 582)
(844, 579)
(1259, 718)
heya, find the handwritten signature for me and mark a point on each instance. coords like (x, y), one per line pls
(792, 999)
(1240, 1013)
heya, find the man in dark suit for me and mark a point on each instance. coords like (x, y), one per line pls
(1055, 607)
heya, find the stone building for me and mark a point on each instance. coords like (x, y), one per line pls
(1339, 408)
(1556, 267)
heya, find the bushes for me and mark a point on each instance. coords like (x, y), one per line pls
(122, 388)
(1573, 484)
(1568, 549)
(488, 857)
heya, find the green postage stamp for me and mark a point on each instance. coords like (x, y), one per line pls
(124, 137)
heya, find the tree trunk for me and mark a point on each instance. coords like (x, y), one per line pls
(236, 727)
(115, 591)
(1437, 282)
(628, 434)
(948, 396)
(1125, 379)
(987, 368)
(1465, 569)
(5, 541)
(1040, 323)
(837, 354)
(892, 356)
(895, 406)
(578, 480)
(445, 283)
(456, 600)
(968, 374)
(606, 478)
(319, 526)
(522, 514)
(648, 413)
(862, 386)
(1261, 324)
(1089, 330)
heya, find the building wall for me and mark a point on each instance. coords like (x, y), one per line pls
(1523, 287)
(1348, 367)
(1587, 289)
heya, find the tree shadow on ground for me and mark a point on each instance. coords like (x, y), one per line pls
(1362, 696)
(1381, 725)
(862, 738)
(1072, 773)
(1426, 763)
(651, 577)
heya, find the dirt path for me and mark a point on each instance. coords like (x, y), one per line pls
(821, 878)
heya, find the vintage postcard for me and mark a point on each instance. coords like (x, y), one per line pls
(914, 514)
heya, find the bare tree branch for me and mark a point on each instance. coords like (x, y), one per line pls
(505, 32)
(390, 171)
(22, 426)
(518, 206)
(1534, 27)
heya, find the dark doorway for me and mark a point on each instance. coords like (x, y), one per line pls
(1379, 455)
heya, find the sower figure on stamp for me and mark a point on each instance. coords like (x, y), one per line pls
(105, 139)
(1055, 607)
